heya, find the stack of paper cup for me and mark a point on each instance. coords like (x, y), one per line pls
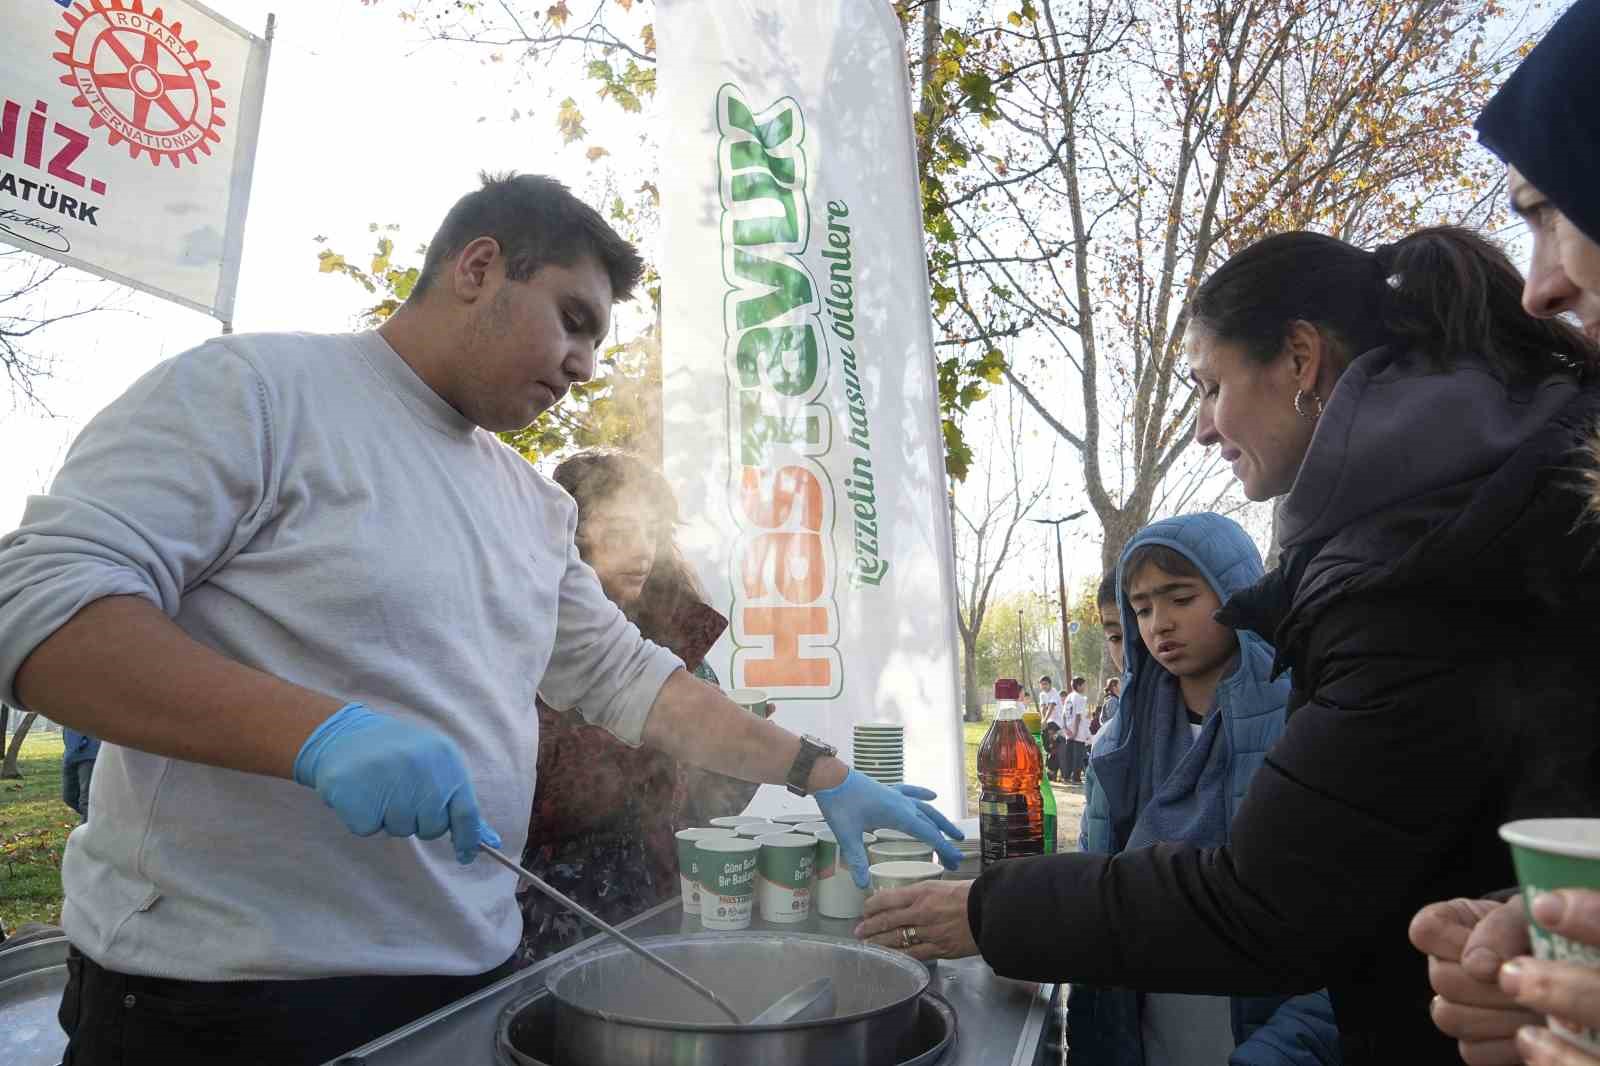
(880, 751)
(836, 894)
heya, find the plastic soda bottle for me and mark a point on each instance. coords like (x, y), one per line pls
(1010, 771)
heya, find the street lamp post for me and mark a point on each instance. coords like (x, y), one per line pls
(1061, 576)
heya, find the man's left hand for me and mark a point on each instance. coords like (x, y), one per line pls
(860, 804)
(930, 917)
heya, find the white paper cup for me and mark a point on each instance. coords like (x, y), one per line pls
(785, 875)
(811, 828)
(727, 881)
(836, 894)
(798, 818)
(734, 821)
(899, 851)
(689, 863)
(754, 700)
(886, 875)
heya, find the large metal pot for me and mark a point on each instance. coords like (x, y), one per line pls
(615, 1010)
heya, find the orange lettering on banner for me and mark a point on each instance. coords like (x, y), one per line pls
(774, 507)
(786, 625)
(796, 564)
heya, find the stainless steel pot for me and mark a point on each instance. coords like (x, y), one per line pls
(613, 1010)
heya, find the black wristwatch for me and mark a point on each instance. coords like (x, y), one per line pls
(811, 749)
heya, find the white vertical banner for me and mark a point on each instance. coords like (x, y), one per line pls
(800, 415)
(127, 138)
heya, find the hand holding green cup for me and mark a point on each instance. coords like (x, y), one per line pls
(1554, 853)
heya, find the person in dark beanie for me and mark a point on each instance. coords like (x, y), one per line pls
(1545, 124)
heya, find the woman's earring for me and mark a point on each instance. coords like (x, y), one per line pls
(1300, 405)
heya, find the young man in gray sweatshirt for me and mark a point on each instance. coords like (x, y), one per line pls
(285, 573)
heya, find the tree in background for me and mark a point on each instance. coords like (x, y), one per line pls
(612, 44)
(35, 295)
(985, 512)
(1134, 145)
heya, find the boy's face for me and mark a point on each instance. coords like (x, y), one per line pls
(1111, 622)
(1175, 622)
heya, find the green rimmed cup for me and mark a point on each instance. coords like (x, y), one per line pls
(785, 873)
(760, 829)
(734, 821)
(836, 895)
(689, 863)
(1552, 853)
(797, 818)
(727, 881)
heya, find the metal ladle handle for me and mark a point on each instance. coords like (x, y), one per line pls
(632, 945)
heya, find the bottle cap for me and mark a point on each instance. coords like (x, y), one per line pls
(1007, 688)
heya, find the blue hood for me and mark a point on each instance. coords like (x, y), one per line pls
(1225, 556)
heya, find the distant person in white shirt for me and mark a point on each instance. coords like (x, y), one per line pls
(1051, 712)
(1076, 729)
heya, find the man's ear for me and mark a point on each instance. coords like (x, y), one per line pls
(472, 267)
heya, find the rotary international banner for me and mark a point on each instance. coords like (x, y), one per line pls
(800, 412)
(127, 136)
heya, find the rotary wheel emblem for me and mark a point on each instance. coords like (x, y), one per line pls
(141, 80)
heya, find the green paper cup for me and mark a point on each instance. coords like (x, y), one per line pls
(785, 871)
(893, 834)
(753, 700)
(689, 863)
(886, 875)
(727, 881)
(1552, 853)
(811, 828)
(760, 829)
(899, 851)
(798, 818)
(836, 895)
(734, 821)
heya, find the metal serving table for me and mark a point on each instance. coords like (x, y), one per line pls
(1000, 1022)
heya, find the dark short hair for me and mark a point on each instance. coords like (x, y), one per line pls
(1108, 589)
(1045, 680)
(1444, 292)
(537, 222)
(1168, 560)
(1079, 680)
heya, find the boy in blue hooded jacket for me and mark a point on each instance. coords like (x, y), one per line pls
(1199, 710)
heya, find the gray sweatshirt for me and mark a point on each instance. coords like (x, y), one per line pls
(308, 506)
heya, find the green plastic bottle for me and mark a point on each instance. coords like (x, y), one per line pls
(1048, 795)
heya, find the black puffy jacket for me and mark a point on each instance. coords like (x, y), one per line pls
(1439, 604)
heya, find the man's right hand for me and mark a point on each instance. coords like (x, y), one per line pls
(378, 772)
(1466, 940)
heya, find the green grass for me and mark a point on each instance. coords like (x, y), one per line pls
(34, 824)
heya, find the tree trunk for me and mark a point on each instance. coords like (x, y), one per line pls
(931, 32)
(9, 771)
(974, 702)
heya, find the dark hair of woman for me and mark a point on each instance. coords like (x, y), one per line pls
(598, 475)
(1444, 292)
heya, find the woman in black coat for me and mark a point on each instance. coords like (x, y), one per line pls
(1436, 580)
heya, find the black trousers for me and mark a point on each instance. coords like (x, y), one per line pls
(116, 1019)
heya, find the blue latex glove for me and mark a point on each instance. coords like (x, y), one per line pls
(858, 804)
(378, 772)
